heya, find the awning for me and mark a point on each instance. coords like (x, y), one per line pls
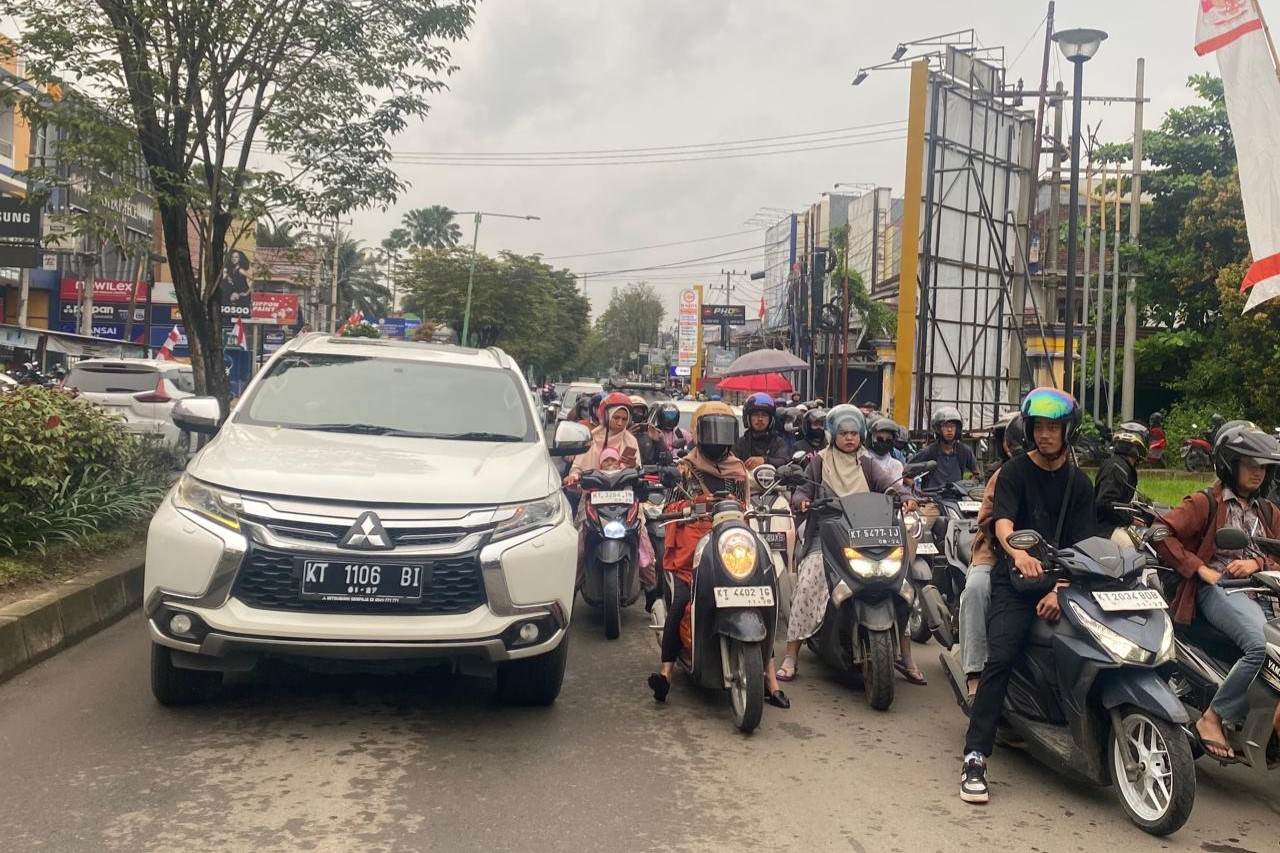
(78, 346)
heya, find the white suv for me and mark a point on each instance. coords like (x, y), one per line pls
(141, 390)
(367, 500)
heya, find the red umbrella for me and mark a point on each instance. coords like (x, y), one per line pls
(771, 383)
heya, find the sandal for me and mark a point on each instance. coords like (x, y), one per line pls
(777, 699)
(660, 686)
(913, 676)
(1207, 746)
(787, 672)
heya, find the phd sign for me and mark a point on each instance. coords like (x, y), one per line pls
(731, 315)
(19, 234)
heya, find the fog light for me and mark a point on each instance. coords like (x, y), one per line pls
(528, 632)
(180, 624)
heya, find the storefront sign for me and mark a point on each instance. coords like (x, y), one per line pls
(104, 312)
(275, 309)
(104, 290)
(19, 234)
(733, 315)
(688, 317)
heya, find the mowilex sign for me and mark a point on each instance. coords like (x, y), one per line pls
(19, 234)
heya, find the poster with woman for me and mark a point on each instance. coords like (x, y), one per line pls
(237, 301)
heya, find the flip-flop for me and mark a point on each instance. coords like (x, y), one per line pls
(916, 677)
(785, 674)
(1204, 745)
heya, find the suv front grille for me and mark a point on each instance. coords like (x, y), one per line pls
(311, 531)
(269, 580)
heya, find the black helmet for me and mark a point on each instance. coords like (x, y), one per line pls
(1130, 437)
(1049, 404)
(1243, 440)
(792, 420)
(715, 429)
(1008, 431)
(943, 415)
(667, 417)
(1156, 419)
(760, 402)
(884, 424)
(594, 406)
(815, 424)
(1216, 421)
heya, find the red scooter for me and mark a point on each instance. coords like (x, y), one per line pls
(1197, 453)
(1155, 450)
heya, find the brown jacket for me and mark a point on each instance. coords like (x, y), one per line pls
(984, 542)
(1191, 545)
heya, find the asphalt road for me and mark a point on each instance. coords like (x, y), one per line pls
(340, 762)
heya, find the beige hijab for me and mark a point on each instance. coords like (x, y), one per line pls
(842, 472)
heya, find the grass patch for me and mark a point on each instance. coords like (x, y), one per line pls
(65, 559)
(1171, 489)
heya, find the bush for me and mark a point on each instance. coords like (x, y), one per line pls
(361, 330)
(67, 470)
(1188, 418)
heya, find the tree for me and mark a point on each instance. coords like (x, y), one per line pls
(204, 86)
(276, 235)
(358, 284)
(633, 317)
(432, 227)
(521, 304)
(878, 319)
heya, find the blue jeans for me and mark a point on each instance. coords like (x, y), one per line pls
(975, 602)
(1241, 619)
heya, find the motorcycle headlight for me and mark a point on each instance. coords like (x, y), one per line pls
(217, 505)
(615, 530)
(1121, 648)
(1167, 649)
(737, 549)
(524, 517)
(867, 567)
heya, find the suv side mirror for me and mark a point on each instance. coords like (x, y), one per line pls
(1231, 539)
(571, 439)
(197, 414)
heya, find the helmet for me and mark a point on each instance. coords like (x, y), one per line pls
(760, 402)
(582, 408)
(884, 424)
(1008, 430)
(792, 420)
(1156, 419)
(1052, 405)
(667, 417)
(1216, 420)
(1130, 437)
(1243, 440)
(715, 429)
(943, 415)
(613, 401)
(594, 406)
(843, 416)
(639, 409)
(903, 438)
(815, 424)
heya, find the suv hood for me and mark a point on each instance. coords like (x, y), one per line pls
(374, 469)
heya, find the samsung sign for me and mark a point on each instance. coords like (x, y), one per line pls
(19, 223)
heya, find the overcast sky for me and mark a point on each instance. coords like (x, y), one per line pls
(551, 75)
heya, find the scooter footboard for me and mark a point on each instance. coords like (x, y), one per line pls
(1142, 688)
(744, 625)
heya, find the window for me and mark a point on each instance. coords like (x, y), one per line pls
(112, 378)
(6, 132)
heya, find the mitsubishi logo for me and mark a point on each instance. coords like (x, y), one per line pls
(367, 534)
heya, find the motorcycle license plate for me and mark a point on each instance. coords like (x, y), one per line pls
(1130, 599)
(368, 583)
(875, 537)
(776, 540)
(970, 506)
(744, 596)
(621, 496)
(926, 549)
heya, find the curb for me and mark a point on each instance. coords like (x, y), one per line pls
(40, 627)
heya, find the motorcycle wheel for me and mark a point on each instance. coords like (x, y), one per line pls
(612, 595)
(877, 669)
(917, 625)
(1197, 460)
(746, 684)
(1159, 801)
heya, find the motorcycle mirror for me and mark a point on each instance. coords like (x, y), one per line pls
(1024, 540)
(1158, 533)
(798, 457)
(1231, 539)
(915, 469)
(765, 476)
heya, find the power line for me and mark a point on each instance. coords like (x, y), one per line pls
(654, 246)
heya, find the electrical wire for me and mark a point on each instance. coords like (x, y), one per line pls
(654, 246)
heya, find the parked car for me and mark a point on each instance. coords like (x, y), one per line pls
(142, 391)
(340, 511)
(7, 383)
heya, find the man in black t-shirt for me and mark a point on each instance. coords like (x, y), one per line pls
(1042, 491)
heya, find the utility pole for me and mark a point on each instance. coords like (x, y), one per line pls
(1102, 283)
(1055, 192)
(728, 288)
(333, 285)
(1130, 292)
(87, 281)
(1088, 254)
(1115, 308)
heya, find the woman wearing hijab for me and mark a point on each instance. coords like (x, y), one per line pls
(710, 467)
(843, 467)
(615, 417)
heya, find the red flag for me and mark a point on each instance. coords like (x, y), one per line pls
(761, 307)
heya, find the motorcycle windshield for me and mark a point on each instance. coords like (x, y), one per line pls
(1100, 558)
(868, 522)
(610, 480)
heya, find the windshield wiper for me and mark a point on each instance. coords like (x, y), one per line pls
(362, 429)
(478, 436)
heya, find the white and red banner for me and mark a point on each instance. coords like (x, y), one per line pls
(1233, 31)
(278, 309)
(104, 290)
(165, 353)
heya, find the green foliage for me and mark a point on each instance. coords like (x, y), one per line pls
(67, 469)
(62, 558)
(430, 228)
(879, 319)
(361, 330)
(1190, 418)
(633, 317)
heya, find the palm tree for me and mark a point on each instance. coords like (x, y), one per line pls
(358, 284)
(273, 235)
(432, 227)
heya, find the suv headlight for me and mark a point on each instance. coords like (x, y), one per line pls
(540, 513)
(865, 567)
(1121, 648)
(737, 550)
(218, 505)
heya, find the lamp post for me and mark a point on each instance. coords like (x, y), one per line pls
(471, 275)
(1078, 46)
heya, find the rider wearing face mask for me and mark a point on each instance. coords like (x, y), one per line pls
(760, 442)
(667, 420)
(813, 433)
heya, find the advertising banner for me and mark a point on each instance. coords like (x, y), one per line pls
(733, 315)
(19, 234)
(107, 312)
(236, 299)
(277, 309)
(399, 328)
(688, 317)
(104, 290)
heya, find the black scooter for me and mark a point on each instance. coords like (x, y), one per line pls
(1205, 656)
(1088, 697)
(941, 565)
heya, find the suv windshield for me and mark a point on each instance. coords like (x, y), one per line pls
(112, 378)
(384, 396)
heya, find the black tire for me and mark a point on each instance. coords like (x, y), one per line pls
(877, 669)
(746, 693)
(1197, 460)
(1177, 762)
(611, 593)
(536, 681)
(917, 624)
(173, 686)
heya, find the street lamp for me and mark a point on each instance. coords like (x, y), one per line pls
(471, 276)
(1078, 46)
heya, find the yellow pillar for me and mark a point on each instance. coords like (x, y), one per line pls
(904, 366)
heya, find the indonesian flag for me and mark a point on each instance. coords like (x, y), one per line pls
(1233, 30)
(238, 325)
(165, 353)
(761, 308)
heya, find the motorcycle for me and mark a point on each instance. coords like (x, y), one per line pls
(727, 630)
(1197, 452)
(866, 550)
(611, 525)
(775, 526)
(1087, 696)
(1155, 450)
(941, 565)
(1205, 656)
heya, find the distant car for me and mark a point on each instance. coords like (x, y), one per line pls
(140, 390)
(652, 392)
(574, 390)
(7, 383)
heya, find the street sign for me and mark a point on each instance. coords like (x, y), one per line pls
(644, 349)
(679, 370)
(688, 318)
(733, 315)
